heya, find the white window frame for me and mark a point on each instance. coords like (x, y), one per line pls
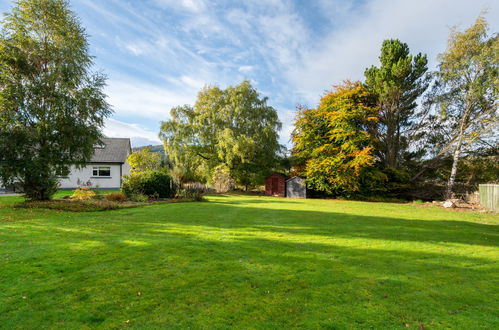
(96, 171)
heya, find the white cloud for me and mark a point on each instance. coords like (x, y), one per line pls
(146, 100)
(349, 49)
(138, 48)
(194, 6)
(192, 82)
(139, 136)
(245, 68)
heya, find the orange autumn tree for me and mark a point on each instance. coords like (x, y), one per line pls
(335, 142)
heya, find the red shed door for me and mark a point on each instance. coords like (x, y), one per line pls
(275, 186)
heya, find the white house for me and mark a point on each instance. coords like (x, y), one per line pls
(106, 167)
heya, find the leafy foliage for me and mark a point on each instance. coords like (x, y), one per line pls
(234, 127)
(154, 184)
(51, 105)
(397, 84)
(221, 179)
(90, 205)
(116, 197)
(190, 194)
(335, 140)
(83, 194)
(144, 160)
(466, 93)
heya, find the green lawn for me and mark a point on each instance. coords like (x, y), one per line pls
(249, 262)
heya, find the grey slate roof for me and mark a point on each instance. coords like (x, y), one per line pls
(115, 150)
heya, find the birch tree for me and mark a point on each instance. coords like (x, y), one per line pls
(467, 90)
(52, 106)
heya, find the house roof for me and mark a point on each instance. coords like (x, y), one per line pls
(115, 150)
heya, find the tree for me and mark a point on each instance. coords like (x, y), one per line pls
(51, 105)
(335, 141)
(466, 91)
(397, 83)
(144, 160)
(234, 127)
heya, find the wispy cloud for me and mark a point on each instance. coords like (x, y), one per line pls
(132, 97)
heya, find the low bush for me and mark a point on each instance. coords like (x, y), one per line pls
(116, 197)
(83, 194)
(190, 194)
(73, 205)
(222, 180)
(139, 198)
(154, 184)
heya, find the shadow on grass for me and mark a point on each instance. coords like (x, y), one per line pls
(222, 263)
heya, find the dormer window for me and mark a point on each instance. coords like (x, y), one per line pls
(99, 146)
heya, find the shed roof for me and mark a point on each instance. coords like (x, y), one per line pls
(115, 150)
(276, 173)
(296, 177)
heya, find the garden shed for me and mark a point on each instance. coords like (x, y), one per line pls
(275, 185)
(296, 187)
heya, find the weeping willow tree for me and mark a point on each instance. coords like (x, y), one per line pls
(233, 127)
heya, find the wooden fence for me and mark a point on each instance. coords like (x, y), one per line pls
(489, 196)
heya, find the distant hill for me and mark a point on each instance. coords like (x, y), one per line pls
(156, 148)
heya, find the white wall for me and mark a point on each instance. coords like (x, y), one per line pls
(85, 174)
(126, 168)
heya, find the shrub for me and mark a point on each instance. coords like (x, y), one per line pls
(116, 197)
(83, 194)
(191, 194)
(222, 180)
(139, 198)
(154, 184)
(40, 186)
(72, 205)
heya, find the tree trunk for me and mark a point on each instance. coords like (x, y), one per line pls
(392, 140)
(390, 149)
(455, 157)
(453, 172)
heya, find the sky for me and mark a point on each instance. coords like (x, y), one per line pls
(158, 54)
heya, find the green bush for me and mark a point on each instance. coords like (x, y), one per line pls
(190, 194)
(154, 184)
(139, 198)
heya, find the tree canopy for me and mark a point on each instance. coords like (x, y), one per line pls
(466, 92)
(52, 106)
(397, 83)
(144, 160)
(233, 126)
(335, 141)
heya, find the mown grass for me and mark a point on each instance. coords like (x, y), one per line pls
(249, 262)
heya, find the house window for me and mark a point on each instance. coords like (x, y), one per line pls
(99, 146)
(101, 171)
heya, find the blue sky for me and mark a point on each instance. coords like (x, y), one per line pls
(160, 53)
